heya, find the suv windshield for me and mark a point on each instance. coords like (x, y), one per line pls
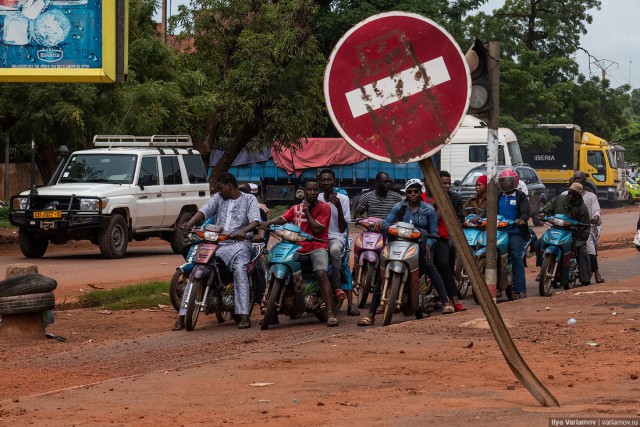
(108, 168)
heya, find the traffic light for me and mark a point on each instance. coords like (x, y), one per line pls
(480, 101)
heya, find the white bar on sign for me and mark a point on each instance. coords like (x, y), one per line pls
(385, 92)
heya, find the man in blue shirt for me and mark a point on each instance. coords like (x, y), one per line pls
(513, 204)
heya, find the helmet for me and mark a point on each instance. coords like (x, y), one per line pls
(414, 182)
(508, 180)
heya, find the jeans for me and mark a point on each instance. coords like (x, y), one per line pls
(516, 243)
(441, 258)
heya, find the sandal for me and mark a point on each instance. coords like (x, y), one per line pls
(353, 311)
(340, 295)
(245, 324)
(367, 321)
(179, 325)
(332, 322)
(448, 309)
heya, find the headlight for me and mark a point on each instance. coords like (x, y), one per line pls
(20, 203)
(560, 222)
(291, 236)
(93, 205)
(405, 232)
(211, 235)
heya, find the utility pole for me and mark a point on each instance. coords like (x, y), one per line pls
(164, 20)
(604, 65)
(491, 272)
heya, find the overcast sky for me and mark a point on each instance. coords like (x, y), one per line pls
(613, 40)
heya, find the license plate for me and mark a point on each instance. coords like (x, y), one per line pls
(47, 214)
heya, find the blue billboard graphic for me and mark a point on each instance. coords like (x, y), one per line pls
(43, 34)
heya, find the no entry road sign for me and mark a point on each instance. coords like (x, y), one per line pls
(397, 87)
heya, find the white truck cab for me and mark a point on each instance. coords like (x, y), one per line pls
(127, 188)
(468, 148)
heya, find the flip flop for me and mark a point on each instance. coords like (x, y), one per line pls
(366, 321)
(332, 321)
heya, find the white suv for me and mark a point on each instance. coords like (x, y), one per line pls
(127, 188)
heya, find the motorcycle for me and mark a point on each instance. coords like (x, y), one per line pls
(366, 257)
(403, 289)
(559, 263)
(476, 235)
(292, 287)
(210, 286)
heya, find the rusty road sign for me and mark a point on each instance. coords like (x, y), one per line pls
(397, 87)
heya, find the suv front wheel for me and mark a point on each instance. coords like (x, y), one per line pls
(32, 244)
(178, 237)
(114, 239)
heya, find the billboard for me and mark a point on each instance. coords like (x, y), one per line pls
(63, 40)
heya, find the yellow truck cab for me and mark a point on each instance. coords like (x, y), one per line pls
(576, 151)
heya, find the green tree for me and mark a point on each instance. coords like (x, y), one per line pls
(264, 72)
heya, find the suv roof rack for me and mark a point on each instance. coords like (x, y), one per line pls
(159, 141)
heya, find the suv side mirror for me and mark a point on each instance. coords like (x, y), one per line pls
(145, 179)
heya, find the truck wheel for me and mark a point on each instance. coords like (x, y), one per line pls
(26, 284)
(32, 244)
(114, 239)
(178, 237)
(30, 303)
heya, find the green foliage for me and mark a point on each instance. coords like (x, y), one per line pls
(4, 216)
(147, 295)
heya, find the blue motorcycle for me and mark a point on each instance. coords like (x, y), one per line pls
(559, 263)
(292, 287)
(474, 229)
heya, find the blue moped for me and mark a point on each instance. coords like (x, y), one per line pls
(475, 232)
(292, 287)
(559, 263)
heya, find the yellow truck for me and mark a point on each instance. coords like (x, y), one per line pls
(576, 150)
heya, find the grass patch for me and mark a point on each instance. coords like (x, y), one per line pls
(4, 216)
(145, 295)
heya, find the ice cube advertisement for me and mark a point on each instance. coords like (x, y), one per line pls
(58, 40)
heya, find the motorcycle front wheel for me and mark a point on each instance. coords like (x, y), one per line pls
(546, 275)
(193, 304)
(394, 291)
(462, 280)
(369, 273)
(271, 313)
(176, 288)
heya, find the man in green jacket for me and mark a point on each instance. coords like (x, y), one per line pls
(571, 205)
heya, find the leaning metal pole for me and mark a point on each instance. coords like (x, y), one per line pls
(515, 361)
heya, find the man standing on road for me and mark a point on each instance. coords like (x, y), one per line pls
(593, 206)
(379, 202)
(238, 214)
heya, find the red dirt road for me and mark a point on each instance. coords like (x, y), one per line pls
(126, 368)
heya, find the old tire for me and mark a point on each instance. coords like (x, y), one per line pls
(27, 284)
(544, 284)
(390, 307)
(176, 288)
(114, 239)
(193, 311)
(178, 238)
(32, 244)
(369, 274)
(271, 313)
(30, 303)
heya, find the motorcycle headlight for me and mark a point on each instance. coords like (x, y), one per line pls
(291, 236)
(93, 205)
(20, 203)
(405, 232)
(211, 235)
(559, 222)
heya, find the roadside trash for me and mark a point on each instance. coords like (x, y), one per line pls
(614, 314)
(571, 322)
(260, 384)
(294, 400)
(593, 344)
(264, 401)
(55, 337)
(105, 312)
(547, 308)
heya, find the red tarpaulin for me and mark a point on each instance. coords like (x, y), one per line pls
(317, 153)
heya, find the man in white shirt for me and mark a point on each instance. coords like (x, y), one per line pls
(340, 215)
